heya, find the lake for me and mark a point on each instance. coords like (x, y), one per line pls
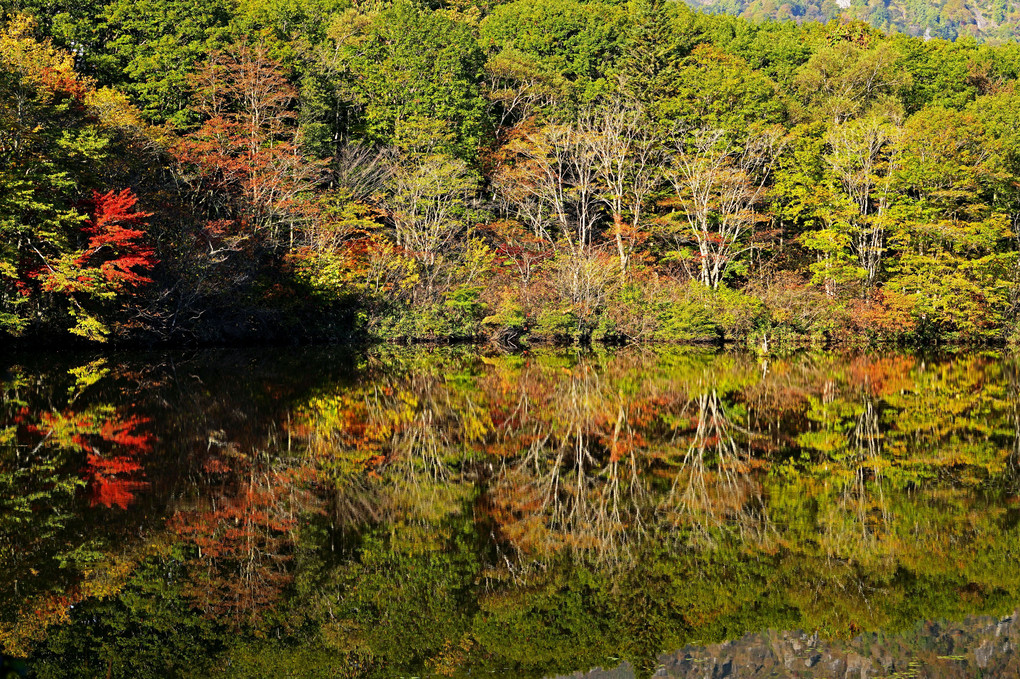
(436, 512)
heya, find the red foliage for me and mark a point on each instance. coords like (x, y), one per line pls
(107, 483)
(245, 536)
(247, 153)
(63, 83)
(116, 243)
(883, 313)
(113, 477)
(883, 375)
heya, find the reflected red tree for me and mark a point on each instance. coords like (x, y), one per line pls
(243, 531)
(113, 444)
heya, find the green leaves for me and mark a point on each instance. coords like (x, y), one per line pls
(570, 46)
(406, 63)
(718, 90)
(148, 48)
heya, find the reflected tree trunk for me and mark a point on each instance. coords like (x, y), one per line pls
(714, 488)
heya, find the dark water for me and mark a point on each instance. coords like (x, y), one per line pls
(416, 513)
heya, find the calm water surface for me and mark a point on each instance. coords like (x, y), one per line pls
(456, 512)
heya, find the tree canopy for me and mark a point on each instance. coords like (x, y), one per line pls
(570, 171)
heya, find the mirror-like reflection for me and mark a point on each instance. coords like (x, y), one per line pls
(425, 512)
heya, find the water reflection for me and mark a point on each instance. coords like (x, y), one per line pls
(453, 512)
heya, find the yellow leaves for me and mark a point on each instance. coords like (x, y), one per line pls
(474, 427)
(453, 657)
(351, 27)
(342, 434)
(37, 62)
(87, 375)
(368, 266)
(50, 72)
(407, 398)
(19, 46)
(89, 327)
(823, 441)
(115, 111)
(108, 579)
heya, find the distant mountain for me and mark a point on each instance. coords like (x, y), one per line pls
(983, 20)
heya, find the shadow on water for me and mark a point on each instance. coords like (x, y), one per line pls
(456, 512)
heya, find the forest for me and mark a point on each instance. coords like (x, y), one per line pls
(277, 171)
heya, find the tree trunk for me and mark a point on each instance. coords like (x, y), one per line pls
(618, 234)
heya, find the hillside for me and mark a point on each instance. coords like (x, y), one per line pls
(184, 171)
(984, 20)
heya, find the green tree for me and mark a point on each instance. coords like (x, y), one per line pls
(572, 46)
(147, 49)
(658, 36)
(719, 90)
(405, 64)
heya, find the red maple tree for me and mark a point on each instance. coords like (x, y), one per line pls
(116, 240)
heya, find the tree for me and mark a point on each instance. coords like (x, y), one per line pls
(626, 166)
(547, 178)
(242, 539)
(953, 253)
(659, 36)
(115, 260)
(427, 203)
(407, 63)
(717, 185)
(517, 90)
(244, 166)
(863, 160)
(712, 88)
(845, 79)
(569, 47)
(70, 464)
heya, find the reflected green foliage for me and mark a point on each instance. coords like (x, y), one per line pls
(446, 513)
